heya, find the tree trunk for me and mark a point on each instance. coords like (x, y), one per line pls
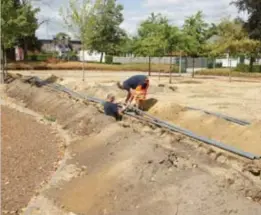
(252, 60)
(193, 69)
(149, 66)
(214, 64)
(170, 70)
(25, 49)
(101, 58)
(83, 66)
(229, 68)
(2, 66)
(180, 64)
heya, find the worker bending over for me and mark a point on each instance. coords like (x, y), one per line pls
(137, 87)
(113, 109)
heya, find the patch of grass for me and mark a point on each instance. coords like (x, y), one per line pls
(88, 66)
(50, 118)
(225, 72)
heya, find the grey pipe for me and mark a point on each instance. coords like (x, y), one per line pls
(228, 118)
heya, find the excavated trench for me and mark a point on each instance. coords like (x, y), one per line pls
(132, 168)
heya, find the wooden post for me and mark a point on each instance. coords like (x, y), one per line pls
(170, 70)
(83, 66)
(180, 63)
(193, 69)
(229, 64)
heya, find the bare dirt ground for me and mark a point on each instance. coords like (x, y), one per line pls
(240, 99)
(133, 168)
(30, 151)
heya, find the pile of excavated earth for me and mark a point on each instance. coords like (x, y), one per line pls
(133, 168)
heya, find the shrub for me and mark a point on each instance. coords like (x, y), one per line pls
(108, 59)
(39, 57)
(211, 65)
(246, 68)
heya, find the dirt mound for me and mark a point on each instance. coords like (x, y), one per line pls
(246, 138)
(57, 106)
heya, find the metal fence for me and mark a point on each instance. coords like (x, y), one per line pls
(186, 62)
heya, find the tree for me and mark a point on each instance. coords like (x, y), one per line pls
(108, 35)
(97, 24)
(16, 22)
(81, 21)
(253, 23)
(62, 39)
(196, 33)
(233, 39)
(156, 37)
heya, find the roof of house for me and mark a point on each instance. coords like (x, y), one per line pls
(50, 41)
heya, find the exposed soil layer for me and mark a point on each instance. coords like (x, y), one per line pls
(246, 138)
(132, 168)
(30, 151)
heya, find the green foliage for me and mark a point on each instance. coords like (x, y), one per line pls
(17, 20)
(39, 57)
(156, 37)
(211, 65)
(196, 33)
(97, 24)
(108, 35)
(253, 23)
(232, 38)
(246, 68)
(108, 59)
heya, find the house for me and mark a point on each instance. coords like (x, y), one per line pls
(47, 45)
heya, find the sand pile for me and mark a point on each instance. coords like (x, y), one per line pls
(247, 138)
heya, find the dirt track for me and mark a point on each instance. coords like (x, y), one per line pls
(131, 168)
(30, 151)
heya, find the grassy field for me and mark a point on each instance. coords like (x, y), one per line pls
(225, 72)
(119, 67)
(88, 66)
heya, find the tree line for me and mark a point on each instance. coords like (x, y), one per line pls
(97, 23)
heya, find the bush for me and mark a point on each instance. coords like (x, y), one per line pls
(108, 59)
(246, 68)
(217, 65)
(39, 57)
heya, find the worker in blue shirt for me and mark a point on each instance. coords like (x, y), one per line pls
(113, 109)
(137, 87)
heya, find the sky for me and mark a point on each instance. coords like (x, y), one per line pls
(136, 11)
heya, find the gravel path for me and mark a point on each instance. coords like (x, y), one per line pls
(30, 152)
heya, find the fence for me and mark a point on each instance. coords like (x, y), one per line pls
(186, 62)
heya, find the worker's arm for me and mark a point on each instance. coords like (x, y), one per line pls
(130, 96)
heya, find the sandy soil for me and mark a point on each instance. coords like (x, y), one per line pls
(30, 151)
(131, 168)
(240, 99)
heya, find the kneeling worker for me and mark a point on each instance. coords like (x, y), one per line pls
(137, 87)
(113, 109)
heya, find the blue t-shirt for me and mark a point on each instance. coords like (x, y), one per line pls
(111, 109)
(134, 81)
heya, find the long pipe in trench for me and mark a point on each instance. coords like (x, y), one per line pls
(153, 120)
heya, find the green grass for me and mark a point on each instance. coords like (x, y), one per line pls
(50, 118)
(88, 66)
(225, 72)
